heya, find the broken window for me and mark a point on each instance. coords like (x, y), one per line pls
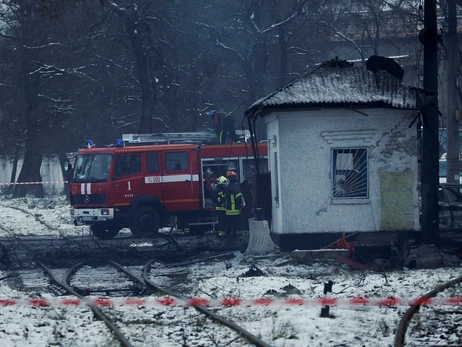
(350, 178)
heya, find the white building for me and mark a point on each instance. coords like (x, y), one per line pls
(342, 154)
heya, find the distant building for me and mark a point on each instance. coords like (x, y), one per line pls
(342, 154)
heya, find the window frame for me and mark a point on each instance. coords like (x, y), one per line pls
(118, 157)
(362, 159)
(186, 153)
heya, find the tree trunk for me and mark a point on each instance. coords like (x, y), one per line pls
(452, 131)
(30, 172)
(251, 80)
(255, 68)
(136, 30)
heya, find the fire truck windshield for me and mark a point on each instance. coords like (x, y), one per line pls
(91, 168)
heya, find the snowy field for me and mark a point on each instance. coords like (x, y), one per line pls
(30, 217)
(276, 325)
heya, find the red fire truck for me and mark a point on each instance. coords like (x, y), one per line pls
(145, 182)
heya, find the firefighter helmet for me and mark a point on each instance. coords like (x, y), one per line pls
(222, 180)
(232, 174)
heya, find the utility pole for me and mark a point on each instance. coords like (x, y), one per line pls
(452, 130)
(430, 165)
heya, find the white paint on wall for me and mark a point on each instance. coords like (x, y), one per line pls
(305, 143)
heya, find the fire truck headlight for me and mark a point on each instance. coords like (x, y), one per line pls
(105, 212)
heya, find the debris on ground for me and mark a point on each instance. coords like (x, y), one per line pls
(271, 292)
(429, 257)
(291, 290)
(254, 271)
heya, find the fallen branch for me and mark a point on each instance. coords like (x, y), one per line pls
(407, 316)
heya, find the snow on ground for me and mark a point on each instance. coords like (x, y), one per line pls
(30, 217)
(277, 325)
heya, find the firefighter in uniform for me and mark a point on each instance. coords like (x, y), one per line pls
(233, 205)
(219, 200)
(228, 128)
(225, 127)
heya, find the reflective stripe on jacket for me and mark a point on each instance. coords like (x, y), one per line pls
(234, 200)
(220, 201)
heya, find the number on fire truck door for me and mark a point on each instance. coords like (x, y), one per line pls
(152, 179)
(127, 178)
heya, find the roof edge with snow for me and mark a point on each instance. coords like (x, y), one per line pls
(337, 84)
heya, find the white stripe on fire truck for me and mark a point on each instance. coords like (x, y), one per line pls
(165, 179)
(179, 178)
(84, 191)
(173, 178)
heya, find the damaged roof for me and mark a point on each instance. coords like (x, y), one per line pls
(337, 83)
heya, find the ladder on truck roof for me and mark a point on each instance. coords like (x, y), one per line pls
(168, 138)
(201, 137)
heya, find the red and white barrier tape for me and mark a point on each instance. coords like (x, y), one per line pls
(12, 184)
(228, 302)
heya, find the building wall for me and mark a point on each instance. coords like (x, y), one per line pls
(305, 140)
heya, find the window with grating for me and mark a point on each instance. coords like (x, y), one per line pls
(350, 177)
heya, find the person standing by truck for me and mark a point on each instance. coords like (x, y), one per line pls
(233, 205)
(219, 199)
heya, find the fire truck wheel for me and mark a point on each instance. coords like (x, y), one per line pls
(103, 232)
(146, 222)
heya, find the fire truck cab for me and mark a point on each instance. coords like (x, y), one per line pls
(146, 186)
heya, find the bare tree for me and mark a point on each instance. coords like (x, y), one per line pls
(367, 26)
(73, 70)
(40, 97)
